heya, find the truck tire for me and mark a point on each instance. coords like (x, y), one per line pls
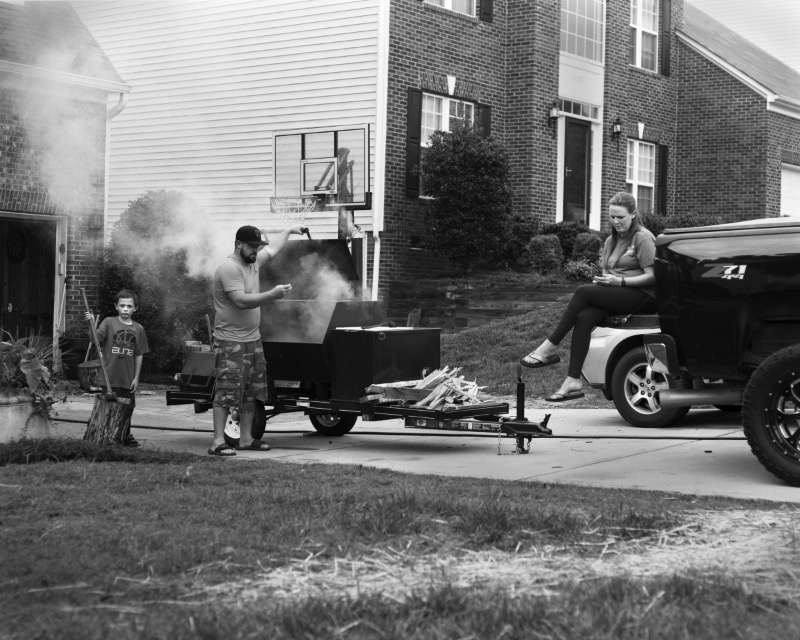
(634, 387)
(333, 424)
(770, 414)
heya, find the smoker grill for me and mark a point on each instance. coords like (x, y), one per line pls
(302, 336)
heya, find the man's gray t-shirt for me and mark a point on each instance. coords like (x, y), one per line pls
(230, 322)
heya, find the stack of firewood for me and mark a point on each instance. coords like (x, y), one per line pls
(439, 388)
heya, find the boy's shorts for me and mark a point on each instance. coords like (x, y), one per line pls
(241, 373)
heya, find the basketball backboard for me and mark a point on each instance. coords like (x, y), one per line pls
(331, 164)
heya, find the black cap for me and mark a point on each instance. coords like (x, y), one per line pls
(250, 235)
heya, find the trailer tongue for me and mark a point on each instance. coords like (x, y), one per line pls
(325, 346)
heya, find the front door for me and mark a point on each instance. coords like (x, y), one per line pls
(577, 170)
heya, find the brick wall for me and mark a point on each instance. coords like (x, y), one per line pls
(426, 45)
(53, 163)
(724, 142)
(635, 95)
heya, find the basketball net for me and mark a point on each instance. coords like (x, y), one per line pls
(293, 210)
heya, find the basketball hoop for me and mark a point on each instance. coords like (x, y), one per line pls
(293, 209)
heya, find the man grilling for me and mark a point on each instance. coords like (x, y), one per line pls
(241, 371)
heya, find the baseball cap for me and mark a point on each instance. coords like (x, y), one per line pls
(251, 235)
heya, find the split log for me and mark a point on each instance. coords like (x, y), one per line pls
(109, 420)
(90, 375)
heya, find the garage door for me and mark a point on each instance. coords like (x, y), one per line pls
(790, 190)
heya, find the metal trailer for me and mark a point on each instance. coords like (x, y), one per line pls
(325, 345)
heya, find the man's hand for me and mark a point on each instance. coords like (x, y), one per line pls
(281, 291)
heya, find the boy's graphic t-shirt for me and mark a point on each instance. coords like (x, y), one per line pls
(121, 343)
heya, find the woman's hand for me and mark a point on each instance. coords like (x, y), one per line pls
(608, 280)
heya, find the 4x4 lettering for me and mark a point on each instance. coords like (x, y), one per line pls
(726, 271)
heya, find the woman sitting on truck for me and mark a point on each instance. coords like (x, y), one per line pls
(626, 286)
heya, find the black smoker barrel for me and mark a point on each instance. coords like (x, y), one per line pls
(297, 331)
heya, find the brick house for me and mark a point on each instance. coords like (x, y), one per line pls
(55, 84)
(589, 98)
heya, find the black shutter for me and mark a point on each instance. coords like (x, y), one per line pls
(486, 10)
(663, 178)
(486, 120)
(413, 133)
(666, 36)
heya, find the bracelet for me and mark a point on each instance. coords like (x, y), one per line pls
(623, 283)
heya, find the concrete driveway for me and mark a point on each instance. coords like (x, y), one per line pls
(706, 454)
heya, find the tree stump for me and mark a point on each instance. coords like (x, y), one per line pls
(108, 420)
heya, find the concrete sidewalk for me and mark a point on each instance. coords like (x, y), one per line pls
(706, 454)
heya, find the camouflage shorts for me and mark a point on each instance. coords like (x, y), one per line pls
(241, 373)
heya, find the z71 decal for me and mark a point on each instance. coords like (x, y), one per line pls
(725, 271)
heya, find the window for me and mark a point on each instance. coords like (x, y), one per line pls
(643, 40)
(440, 113)
(459, 6)
(642, 173)
(426, 113)
(582, 26)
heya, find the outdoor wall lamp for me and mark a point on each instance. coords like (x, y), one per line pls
(616, 130)
(552, 117)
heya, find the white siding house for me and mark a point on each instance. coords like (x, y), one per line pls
(214, 80)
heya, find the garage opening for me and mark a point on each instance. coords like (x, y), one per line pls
(28, 275)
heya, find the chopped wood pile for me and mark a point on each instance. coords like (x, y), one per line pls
(438, 389)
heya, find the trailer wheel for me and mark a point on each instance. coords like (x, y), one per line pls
(635, 387)
(333, 424)
(771, 414)
(257, 429)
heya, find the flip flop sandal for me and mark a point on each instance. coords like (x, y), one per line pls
(222, 450)
(255, 445)
(565, 397)
(532, 361)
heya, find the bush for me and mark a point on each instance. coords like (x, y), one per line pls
(157, 250)
(544, 253)
(581, 270)
(587, 248)
(566, 232)
(658, 223)
(521, 229)
(469, 216)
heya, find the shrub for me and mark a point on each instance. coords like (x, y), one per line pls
(156, 249)
(566, 232)
(521, 229)
(587, 248)
(544, 253)
(658, 223)
(581, 270)
(468, 218)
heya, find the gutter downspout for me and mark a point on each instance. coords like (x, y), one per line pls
(112, 113)
(381, 116)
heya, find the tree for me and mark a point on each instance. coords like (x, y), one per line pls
(161, 248)
(468, 217)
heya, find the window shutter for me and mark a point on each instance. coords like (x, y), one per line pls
(486, 10)
(663, 178)
(413, 140)
(666, 36)
(486, 120)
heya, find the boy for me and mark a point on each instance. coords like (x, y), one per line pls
(124, 344)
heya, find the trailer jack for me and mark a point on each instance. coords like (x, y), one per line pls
(522, 429)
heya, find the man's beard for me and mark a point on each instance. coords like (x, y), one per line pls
(250, 257)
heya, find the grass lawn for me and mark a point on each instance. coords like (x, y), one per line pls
(111, 542)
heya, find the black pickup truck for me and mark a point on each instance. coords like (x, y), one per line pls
(729, 329)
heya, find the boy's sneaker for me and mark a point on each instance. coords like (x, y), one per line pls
(130, 441)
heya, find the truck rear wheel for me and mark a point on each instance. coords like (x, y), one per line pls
(333, 424)
(635, 387)
(771, 414)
